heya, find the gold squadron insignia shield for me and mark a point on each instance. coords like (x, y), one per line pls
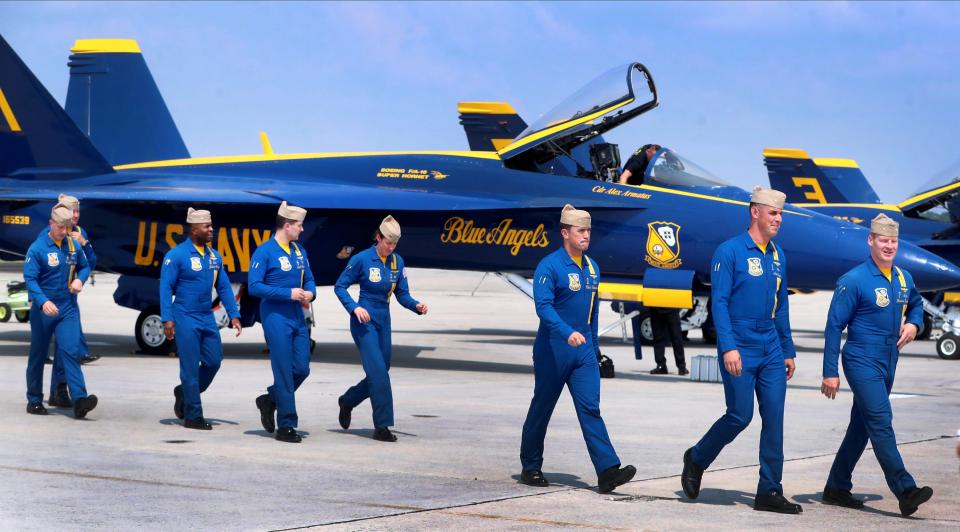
(882, 298)
(663, 245)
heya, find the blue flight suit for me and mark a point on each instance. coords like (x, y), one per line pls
(48, 270)
(273, 273)
(378, 280)
(191, 277)
(58, 375)
(565, 296)
(751, 313)
(871, 308)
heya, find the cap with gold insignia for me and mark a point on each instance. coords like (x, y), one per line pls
(69, 202)
(768, 196)
(292, 213)
(61, 214)
(883, 225)
(390, 228)
(573, 216)
(195, 216)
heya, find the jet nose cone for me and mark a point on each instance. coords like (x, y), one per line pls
(930, 271)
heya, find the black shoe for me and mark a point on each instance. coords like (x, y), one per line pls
(911, 500)
(682, 371)
(659, 370)
(384, 434)
(198, 423)
(61, 398)
(36, 409)
(288, 435)
(691, 476)
(345, 413)
(775, 502)
(267, 410)
(88, 358)
(49, 360)
(178, 401)
(82, 406)
(534, 477)
(615, 476)
(838, 497)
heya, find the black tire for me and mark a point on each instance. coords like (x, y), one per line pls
(313, 345)
(646, 327)
(5, 312)
(927, 327)
(149, 333)
(23, 316)
(948, 347)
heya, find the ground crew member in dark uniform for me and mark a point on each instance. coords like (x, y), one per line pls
(565, 353)
(59, 394)
(871, 302)
(55, 269)
(280, 276)
(665, 325)
(379, 271)
(190, 271)
(636, 166)
(751, 314)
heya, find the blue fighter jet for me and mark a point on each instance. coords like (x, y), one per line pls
(492, 211)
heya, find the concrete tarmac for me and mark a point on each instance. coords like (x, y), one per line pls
(462, 380)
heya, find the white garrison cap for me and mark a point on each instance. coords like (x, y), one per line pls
(69, 202)
(390, 228)
(768, 197)
(61, 214)
(195, 216)
(573, 216)
(292, 213)
(883, 225)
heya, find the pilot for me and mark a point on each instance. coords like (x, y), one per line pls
(751, 314)
(280, 276)
(55, 270)
(637, 164)
(188, 274)
(665, 326)
(565, 353)
(379, 271)
(59, 393)
(879, 306)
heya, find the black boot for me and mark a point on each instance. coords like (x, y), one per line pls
(88, 358)
(610, 478)
(178, 401)
(345, 414)
(288, 435)
(82, 406)
(691, 476)
(682, 370)
(912, 499)
(198, 423)
(384, 434)
(36, 409)
(534, 477)
(659, 370)
(267, 411)
(838, 497)
(61, 398)
(775, 502)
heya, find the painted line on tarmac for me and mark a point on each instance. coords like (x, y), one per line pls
(110, 478)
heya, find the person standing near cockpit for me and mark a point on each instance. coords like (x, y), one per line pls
(637, 164)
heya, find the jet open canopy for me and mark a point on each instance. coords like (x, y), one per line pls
(611, 99)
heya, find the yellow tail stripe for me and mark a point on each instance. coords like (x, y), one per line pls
(8, 113)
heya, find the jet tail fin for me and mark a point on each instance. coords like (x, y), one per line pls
(794, 173)
(847, 178)
(37, 138)
(114, 100)
(489, 125)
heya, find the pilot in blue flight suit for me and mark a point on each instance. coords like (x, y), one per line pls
(879, 306)
(280, 276)
(59, 394)
(379, 271)
(751, 314)
(55, 269)
(565, 353)
(189, 273)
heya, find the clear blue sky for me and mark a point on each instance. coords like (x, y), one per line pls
(876, 82)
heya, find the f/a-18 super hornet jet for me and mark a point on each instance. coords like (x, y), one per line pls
(491, 211)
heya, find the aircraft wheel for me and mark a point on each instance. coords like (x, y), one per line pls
(149, 333)
(22, 316)
(646, 327)
(313, 345)
(5, 312)
(927, 327)
(948, 347)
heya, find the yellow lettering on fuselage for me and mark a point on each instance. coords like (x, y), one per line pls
(457, 230)
(234, 244)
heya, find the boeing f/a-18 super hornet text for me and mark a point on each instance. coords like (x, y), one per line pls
(929, 218)
(485, 211)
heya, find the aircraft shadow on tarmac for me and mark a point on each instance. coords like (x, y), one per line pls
(561, 479)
